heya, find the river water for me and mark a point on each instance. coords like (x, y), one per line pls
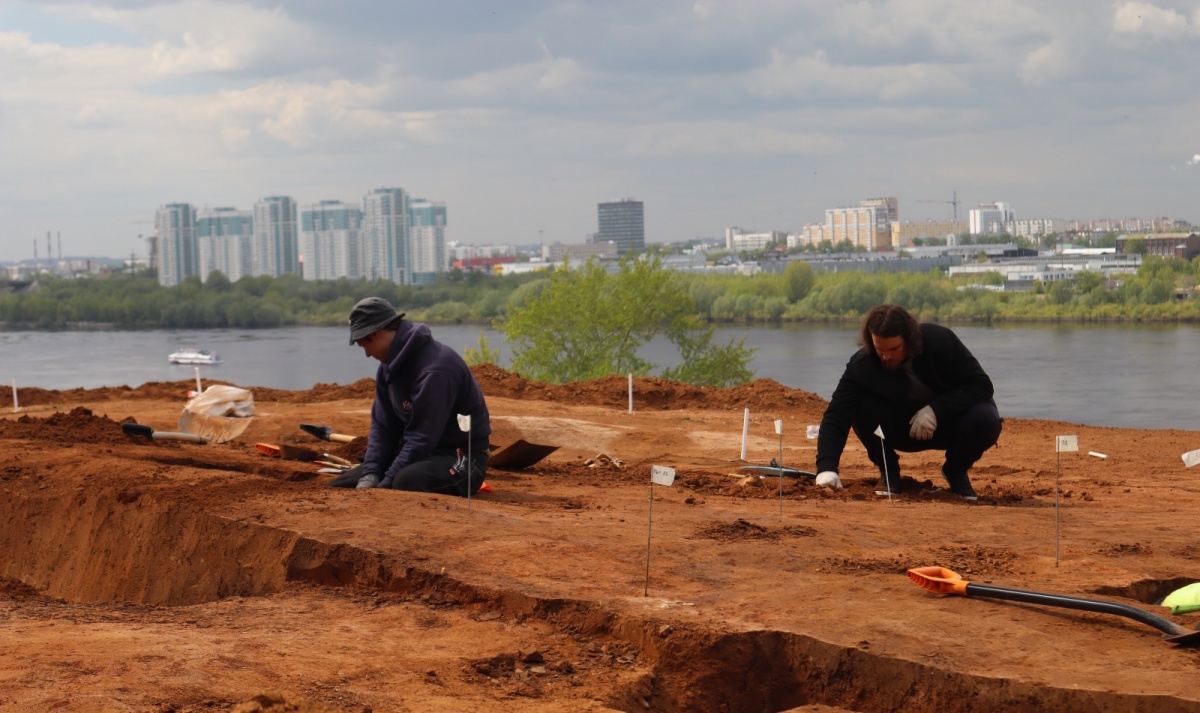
(1126, 376)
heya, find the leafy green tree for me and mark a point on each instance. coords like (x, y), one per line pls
(1135, 246)
(1087, 281)
(703, 364)
(587, 323)
(217, 282)
(482, 355)
(1158, 290)
(799, 278)
(1060, 292)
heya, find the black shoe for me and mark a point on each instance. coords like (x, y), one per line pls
(960, 485)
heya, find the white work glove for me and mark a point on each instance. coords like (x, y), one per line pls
(924, 423)
(829, 479)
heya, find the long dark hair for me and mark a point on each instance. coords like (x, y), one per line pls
(890, 321)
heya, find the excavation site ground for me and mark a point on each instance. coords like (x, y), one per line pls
(140, 575)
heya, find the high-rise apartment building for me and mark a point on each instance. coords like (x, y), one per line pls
(384, 236)
(427, 238)
(391, 237)
(989, 218)
(867, 226)
(178, 255)
(890, 206)
(329, 239)
(622, 222)
(224, 237)
(276, 247)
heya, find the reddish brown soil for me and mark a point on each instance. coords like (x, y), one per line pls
(164, 576)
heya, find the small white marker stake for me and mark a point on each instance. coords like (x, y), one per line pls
(631, 393)
(16, 407)
(1094, 454)
(661, 475)
(887, 481)
(199, 388)
(745, 431)
(464, 425)
(779, 432)
(1062, 444)
(1190, 458)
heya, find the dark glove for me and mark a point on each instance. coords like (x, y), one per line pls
(368, 481)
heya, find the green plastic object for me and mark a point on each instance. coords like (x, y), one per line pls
(1184, 600)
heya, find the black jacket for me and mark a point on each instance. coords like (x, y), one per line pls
(944, 365)
(418, 396)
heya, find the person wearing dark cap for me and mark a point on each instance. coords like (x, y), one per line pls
(923, 389)
(422, 388)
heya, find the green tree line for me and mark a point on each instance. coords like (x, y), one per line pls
(1162, 290)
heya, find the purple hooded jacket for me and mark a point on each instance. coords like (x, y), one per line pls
(419, 393)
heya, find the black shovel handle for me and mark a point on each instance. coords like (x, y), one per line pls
(1093, 605)
(940, 580)
(137, 429)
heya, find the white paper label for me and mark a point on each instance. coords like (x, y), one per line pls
(879, 431)
(464, 422)
(1066, 444)
(813, 431)
(1191, 458)
(778, 427)
(662, 475)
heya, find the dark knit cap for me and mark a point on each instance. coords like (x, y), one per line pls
(371, 315)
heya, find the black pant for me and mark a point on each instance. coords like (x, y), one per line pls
(964, 440)
(436, 474)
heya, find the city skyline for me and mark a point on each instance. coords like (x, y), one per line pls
(524, 116)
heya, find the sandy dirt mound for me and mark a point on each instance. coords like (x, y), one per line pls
(141, 575)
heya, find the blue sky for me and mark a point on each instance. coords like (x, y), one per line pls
(522, 115)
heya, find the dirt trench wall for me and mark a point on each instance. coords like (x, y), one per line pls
(105, 544)
(132, 547)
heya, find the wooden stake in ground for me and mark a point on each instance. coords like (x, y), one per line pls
(745, 431)
(887, 480)
(663, 476)
(779, 432)
(464, 424)
(1062, 444)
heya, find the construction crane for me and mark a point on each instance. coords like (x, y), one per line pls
(952, 202)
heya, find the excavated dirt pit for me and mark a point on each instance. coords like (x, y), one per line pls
(159, 576)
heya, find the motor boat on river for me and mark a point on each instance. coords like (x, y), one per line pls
(188, 355)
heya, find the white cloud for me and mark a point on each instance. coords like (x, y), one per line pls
(814, 78)
(785, 105)
(1048, 64)
(196, 36)
(1146, 21)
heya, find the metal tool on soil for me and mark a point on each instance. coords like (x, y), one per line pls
(325, 433)
(519, 454)
(940, 580)
(137, 429)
